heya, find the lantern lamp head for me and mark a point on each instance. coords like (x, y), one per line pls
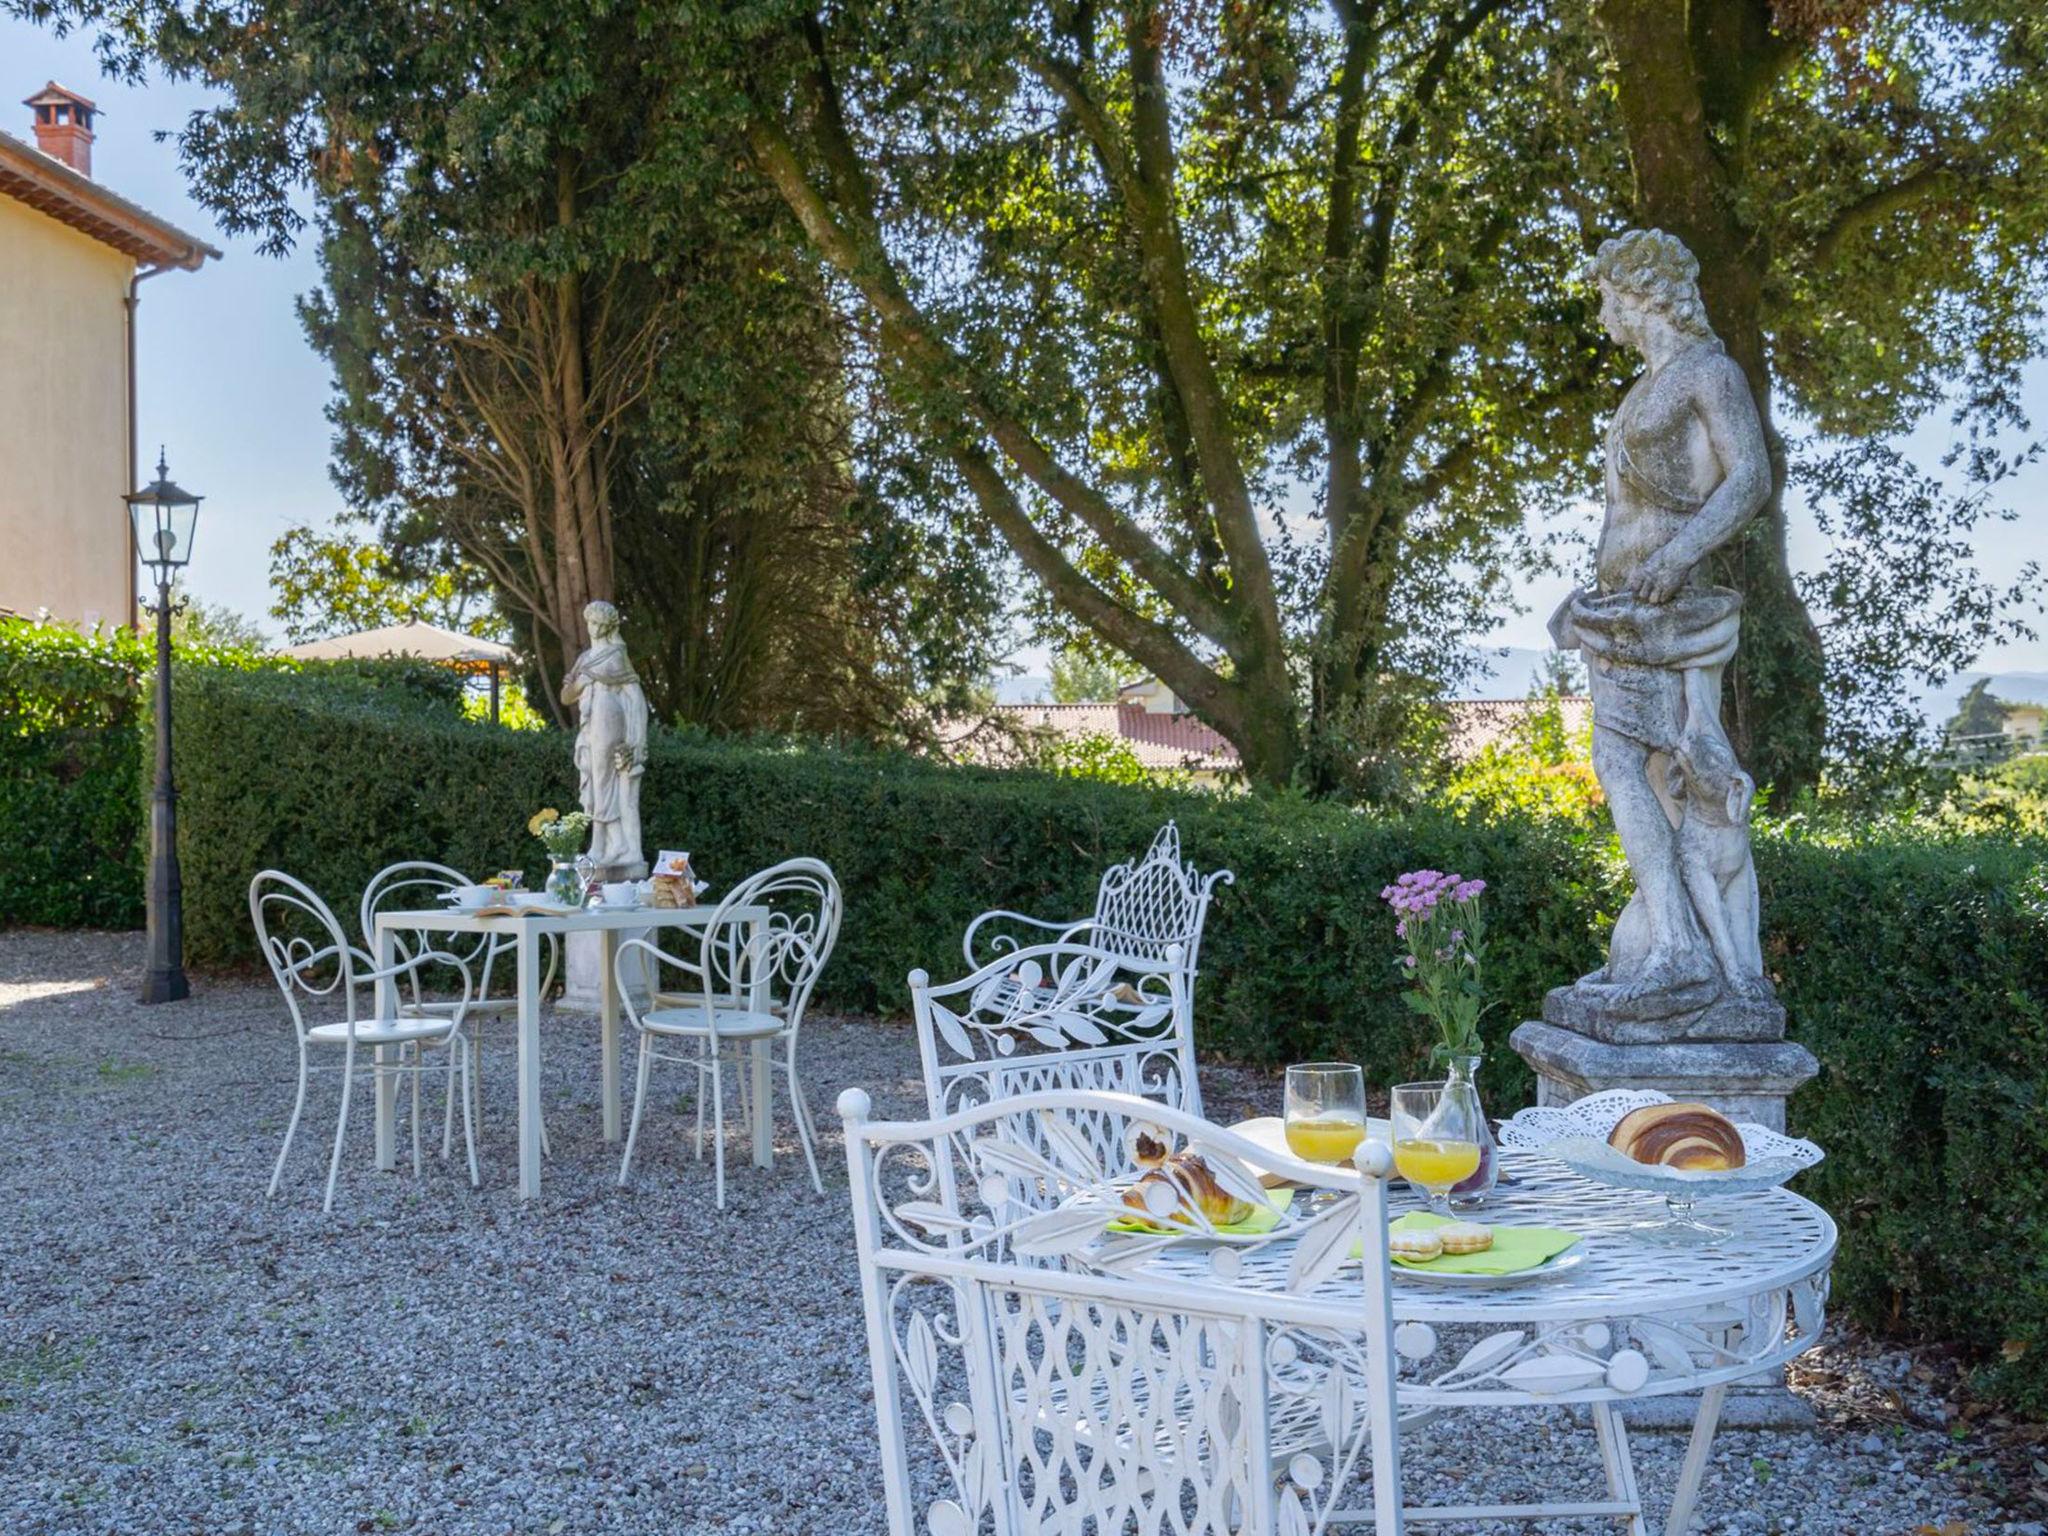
(165, 519)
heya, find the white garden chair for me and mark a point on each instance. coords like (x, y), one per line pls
(1058, 1378)
(731, 969)
(312, 959)
(1063, 1015)
(1143, 908)
(413, 885)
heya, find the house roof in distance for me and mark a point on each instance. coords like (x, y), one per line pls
(428, 642)
(49, 186)
(1160, 739)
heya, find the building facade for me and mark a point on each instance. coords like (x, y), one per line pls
(72, 255)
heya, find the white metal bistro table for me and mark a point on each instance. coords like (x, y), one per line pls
(1633, 1320)
(528, 929)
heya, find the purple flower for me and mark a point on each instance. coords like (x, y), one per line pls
(1408, 962)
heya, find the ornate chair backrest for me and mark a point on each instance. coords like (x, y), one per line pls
(1074, 1378)
(1067, 1015)
(1147, 906)
(414, 885)
(804, 909)
(309, 955)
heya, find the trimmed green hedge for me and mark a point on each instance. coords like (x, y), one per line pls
(1915, 967)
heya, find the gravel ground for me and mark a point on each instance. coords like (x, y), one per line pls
(178, 1355)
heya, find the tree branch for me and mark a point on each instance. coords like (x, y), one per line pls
(867, 266)
(1876, 206)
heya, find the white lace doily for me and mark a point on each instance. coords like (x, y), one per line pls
(1576, 1135)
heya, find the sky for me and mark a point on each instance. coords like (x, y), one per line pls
(231, 389)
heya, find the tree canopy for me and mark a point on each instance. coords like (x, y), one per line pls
(1255, 329)
(577, 350)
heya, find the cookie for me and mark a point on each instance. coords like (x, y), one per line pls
(1465, 1237)
(1415, 1247)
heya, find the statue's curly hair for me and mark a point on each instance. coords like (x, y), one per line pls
(1656, 269)
(600, 616)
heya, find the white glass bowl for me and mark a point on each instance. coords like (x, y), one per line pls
(1576, 1135)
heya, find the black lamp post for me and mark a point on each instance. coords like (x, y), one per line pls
(165, 519)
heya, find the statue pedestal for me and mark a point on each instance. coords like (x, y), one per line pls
(1731, 1053)
(1746, 1079)
(583, 971)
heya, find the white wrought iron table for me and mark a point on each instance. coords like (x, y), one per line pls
(528, 930)
(1634, 1320)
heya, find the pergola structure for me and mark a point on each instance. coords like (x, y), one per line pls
(427, 642)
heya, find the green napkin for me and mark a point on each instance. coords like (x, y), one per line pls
(1514, 1248)
(1261, 1220)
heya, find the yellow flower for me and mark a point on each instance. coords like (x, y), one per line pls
(543, 818)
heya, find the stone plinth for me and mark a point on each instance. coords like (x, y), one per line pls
(1744, 1079)
(1725, 1016)
(583, 967)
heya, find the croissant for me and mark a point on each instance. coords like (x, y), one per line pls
(1188, 1179)
(1679, 1136)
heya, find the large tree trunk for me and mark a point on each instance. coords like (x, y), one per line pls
(1690, 77)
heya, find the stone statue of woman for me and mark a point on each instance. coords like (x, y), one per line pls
(1687, 468)
(611, 744)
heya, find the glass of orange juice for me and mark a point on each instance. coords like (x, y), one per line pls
(1436, 1137)
(1325, 1118)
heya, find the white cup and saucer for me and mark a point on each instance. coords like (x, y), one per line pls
(468, 898)
(621, 894)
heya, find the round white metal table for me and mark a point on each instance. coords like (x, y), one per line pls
(1633, 1320)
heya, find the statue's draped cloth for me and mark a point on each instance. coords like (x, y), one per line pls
(614, 725)
(1637, 654)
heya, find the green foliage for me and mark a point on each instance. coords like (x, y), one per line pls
(1084, 675)
(1543, 769)
(71, 763)
(1106, 760)
(1913, 963)
(329, 584)
(1916, 969)
(1981, 712)
(75, 749)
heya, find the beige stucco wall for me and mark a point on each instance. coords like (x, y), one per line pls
(64, 541)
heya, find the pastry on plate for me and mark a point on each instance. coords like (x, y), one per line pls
(1688, 1136)
(1179, 1186)
(1465, 1237)
(1418, 1246)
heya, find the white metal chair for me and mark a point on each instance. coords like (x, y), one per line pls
(414, 884)
(311, 958)
(1065, 1379)
(1069, 1014)
(1143, 908)
(736, 969)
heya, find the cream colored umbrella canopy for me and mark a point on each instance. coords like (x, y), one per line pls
(427, 642)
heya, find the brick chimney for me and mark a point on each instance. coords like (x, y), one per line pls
(63, 125)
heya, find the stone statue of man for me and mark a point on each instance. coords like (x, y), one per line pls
(611, 744)
(1686, 468)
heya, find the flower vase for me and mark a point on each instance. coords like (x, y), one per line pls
(1473, 1192)
(564, 884)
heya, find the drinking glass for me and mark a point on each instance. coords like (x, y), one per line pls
(1325, 1118)
(1436, 1137)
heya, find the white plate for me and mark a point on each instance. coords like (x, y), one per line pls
(1552, 1268)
